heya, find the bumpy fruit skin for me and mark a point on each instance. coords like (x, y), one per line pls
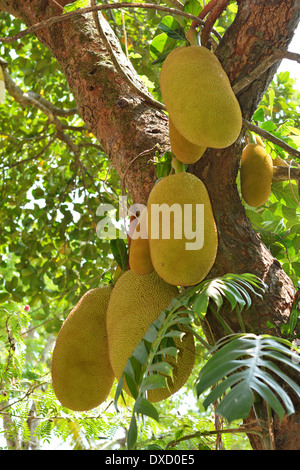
(256, 175)
(82, 376)
(199, 98)
(171, 258)
(184, 151)
(135, 303)
(139, 251)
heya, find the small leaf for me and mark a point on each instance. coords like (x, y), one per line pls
(132, 433)
(144, 407)
(140, 353)
(259, 115)
(154, 381)
(131, 385)
(168, 350)
(162, 367)
(172, 28)
(75, 5)
(174, 334)
(151, 334)
(201, 304)
(119, 251)
(4, 297)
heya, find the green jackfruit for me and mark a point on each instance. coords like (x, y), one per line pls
(182, 231)
(184, 151)
(199, 98)
(135, 303)
(82, 376)
(256, 175)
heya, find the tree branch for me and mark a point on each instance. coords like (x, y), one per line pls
(283, 173)
(82, 11)
(33, 99)
(262, 67)
(275, 140)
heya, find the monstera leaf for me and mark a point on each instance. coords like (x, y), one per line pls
(242, 366)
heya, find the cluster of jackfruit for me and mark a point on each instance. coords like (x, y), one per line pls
(103, 330)
(101, 333)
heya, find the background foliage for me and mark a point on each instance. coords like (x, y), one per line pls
(50, 254)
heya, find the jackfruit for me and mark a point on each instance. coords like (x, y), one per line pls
(179, 211)
(135, 303)
(139, 251)
(184, 151)
(199, 98)
(82, 376)
(256, 175)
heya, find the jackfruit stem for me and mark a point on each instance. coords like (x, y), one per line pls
(178, 166)
(193, 37)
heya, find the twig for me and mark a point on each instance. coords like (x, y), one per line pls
(33, 99)
(241, 429)
(142, 154)
(275, 140)
(35, 157)
(82, 11)
(124, 32)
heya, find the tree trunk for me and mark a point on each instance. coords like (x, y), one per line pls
(127, 125)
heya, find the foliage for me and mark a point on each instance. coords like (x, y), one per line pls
(50, 256)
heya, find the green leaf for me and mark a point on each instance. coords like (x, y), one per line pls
(140, 353)
(75, 5)
(4, 297)
(131, 385)
(168, 350)
(201, 304)
(154, 381)
(160, 47)
(242, 365)
(119, 251)
(172, 28)
(144, 407)
(259, 115)
(193, 7)
(237, 404)
(132, 433)
(151, 334)
(162, 367)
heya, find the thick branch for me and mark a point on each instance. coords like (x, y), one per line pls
(283, 173)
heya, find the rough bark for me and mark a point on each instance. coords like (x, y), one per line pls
(127, 125)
